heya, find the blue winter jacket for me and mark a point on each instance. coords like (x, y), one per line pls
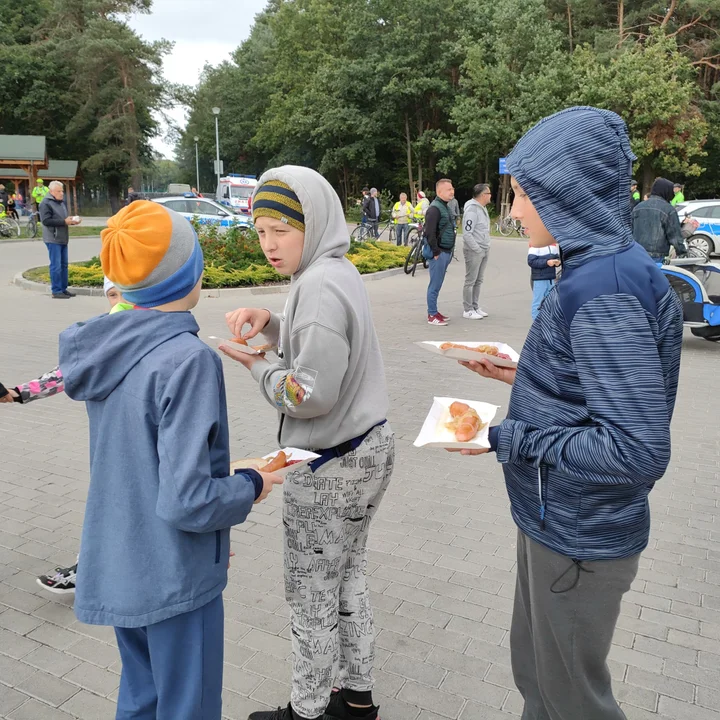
(161, 501)
(587, 432)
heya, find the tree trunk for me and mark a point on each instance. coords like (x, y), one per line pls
(420, 177)
(621, 20)
(113, 187)
(570, 26)
(648, 175)
(408, 145)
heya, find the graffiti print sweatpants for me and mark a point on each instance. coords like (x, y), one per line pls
(326, 516)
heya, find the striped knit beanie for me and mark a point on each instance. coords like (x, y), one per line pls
(276, 199)
(151, 254)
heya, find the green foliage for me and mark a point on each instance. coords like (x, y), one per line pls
(394, 93)
(235, 259)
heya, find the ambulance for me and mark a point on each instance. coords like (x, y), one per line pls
(236, 191)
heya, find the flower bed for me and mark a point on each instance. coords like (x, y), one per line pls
(235, 259)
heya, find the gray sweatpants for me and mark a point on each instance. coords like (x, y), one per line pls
(327, 517)
(475, 263)
(562, 628)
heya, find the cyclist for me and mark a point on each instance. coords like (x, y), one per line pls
(421, 207)
(402, 214)
(39, 192)
(678, 196)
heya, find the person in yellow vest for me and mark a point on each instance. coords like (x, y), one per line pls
(421, 207)
(39, 192)
(678, 196)
(402, 214)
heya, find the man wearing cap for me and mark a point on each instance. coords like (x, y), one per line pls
(39, 192)
(634, 193)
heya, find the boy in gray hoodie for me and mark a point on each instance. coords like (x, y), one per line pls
(329, 389)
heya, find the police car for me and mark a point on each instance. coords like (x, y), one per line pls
(207, 212)
(707, 212)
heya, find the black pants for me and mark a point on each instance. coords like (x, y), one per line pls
(562, 629)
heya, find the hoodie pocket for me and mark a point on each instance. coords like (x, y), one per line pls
(218, 544)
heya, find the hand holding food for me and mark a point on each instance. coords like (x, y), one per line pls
(486, 369)
(257, 318)
(269, 481)
(484, 349)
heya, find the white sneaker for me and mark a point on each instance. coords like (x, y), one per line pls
(472, 315)
(481, 313)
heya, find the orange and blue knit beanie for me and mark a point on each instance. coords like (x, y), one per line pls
(277, 200)
(151, 254)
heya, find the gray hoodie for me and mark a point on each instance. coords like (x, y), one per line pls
(475, 226)
(329, 385)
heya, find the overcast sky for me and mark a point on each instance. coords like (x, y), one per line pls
(204, 32)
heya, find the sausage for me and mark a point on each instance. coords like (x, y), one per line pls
(458, 408)
(239, 341)
(467, 427)
(277, 463)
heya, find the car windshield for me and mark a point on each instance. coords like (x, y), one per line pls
(241, 192)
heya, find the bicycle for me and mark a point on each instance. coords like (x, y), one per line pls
(363, 233)
(416, 240)
(9, 227)
(31, 228)
(507, 225)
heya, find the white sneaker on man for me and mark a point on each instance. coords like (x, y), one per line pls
(481, 312)
(472, 315)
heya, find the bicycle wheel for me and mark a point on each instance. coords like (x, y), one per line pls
(412, 259)
(412, 236)
(31, 227)
(506, 226)
(360, 233)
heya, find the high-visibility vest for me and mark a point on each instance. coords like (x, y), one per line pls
(421, 209)
(39, 192)
(408, 217)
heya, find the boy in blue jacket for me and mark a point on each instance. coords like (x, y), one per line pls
(156, 535)
(587, 433)
(543, 264)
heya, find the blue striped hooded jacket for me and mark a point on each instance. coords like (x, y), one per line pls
(588, 428)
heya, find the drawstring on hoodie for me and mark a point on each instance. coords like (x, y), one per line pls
(542, 493)
(578, 566)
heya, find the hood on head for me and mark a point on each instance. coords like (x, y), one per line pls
(326, 232)
(663, 188)
(574, 166)
(95, 356)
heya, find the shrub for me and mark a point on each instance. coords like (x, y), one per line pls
(235, 259)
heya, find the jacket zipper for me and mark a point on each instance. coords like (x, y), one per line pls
(218, 542)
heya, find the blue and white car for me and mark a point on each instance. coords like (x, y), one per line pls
(707, 212)
(207, 212)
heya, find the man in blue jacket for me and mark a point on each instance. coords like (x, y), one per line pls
(587, 432)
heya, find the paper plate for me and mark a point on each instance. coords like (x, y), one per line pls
(433, 346)
(434, 434)
(247, 349)
(305, 457)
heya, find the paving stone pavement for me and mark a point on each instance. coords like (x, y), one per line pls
(442, 554)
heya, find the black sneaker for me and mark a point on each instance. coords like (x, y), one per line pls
(282, 713)
(60, 296)
(61, 582)
(69, 294)
(338, 708)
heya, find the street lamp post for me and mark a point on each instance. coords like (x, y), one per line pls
(216, 112)
(197, 164)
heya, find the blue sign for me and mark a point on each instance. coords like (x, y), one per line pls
(503, 167)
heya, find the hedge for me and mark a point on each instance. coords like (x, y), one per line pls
(235, 259)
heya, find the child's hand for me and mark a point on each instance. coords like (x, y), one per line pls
(244, 359)
(553, 263)
(486, 369)
(269, 480)
(257, 318)
(10, 397)
(232, 555)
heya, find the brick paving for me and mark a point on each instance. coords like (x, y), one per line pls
(443, 549)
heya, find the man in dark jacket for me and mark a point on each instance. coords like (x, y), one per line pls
(372, 210)
(587, 432)
(55, 222)
(655, 222)
(440, 234)
(132, 196)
